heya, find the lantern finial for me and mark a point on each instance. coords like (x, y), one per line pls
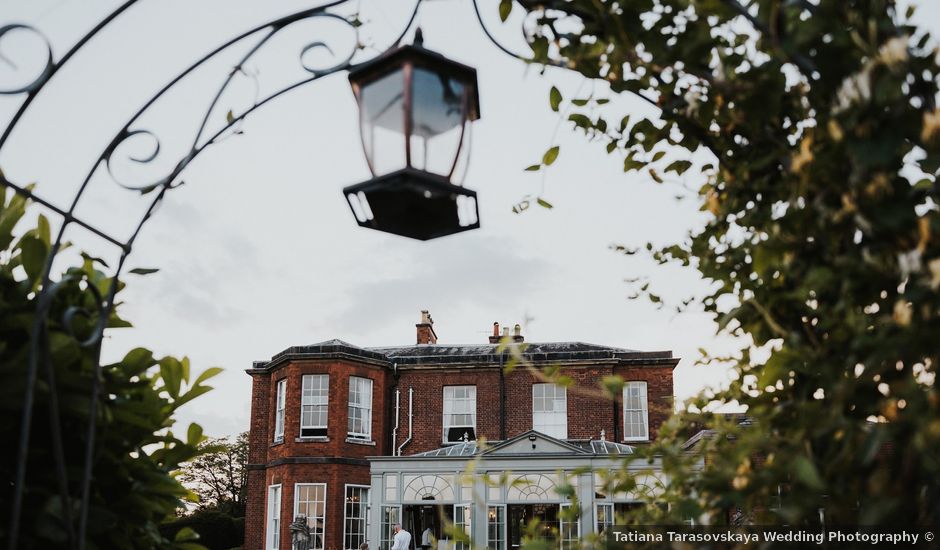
(419, 38)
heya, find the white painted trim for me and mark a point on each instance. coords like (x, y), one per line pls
(268, 534)
(346, 487)
(326, 492)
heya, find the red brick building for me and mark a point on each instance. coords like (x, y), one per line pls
(356, 439)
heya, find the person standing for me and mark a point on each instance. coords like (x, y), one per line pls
(402, 540)
(426, 537)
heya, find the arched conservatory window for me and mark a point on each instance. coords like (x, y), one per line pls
(427, 487)
(532, 487)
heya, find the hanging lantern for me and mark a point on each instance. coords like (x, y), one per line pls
(415, 109)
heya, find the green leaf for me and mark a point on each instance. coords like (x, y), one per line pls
(549, 157)
(33, 254)
(230, 116)
(554, 98)
(43, 232)
(807, 473)
(505, 8)
(679, 166)
(658, 155)
(544, 203)
(613, 386)
(186, 534)
(94, 259)
(533, 168)
(143, 270)
(624, 122)
(137, 361)
(207, 374)
(194, 434)
(581, 121)
(172, 373)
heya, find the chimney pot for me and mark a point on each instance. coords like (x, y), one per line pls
(494, 338)
(517, 333)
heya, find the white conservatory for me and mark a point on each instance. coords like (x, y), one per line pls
(492, 492)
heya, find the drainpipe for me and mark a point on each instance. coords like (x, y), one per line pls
(502, 400)
(616, 422)
(411, 391)
(395, 429)
(388, 410)
(616, 406)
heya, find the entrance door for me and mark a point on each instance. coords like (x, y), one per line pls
(427, 523)
(521, 515)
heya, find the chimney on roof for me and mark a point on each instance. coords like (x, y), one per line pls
(494, 338)
(516, 336)
(426, 334)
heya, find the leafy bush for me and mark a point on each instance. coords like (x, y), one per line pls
(217, 530)
(811, 133)
(133, 488)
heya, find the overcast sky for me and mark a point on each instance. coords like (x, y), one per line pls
(258, 250)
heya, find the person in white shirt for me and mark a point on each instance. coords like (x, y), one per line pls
(426, 537)
(402, 539)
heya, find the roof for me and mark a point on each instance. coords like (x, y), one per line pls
(457, 354)
(597, 447)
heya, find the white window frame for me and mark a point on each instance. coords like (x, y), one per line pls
(280, 406)
(643, 409)
(449, 406)
(313, 532)
(272, 538)
(567, 543)
(463, 518)
(364, 405)
(311, 400)
(609, 514)
(500, 525)
(386, 539)
(365, 518)
(550, 427)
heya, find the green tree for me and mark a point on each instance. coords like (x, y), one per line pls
(811, 132)
(133, 485)
(219, 475)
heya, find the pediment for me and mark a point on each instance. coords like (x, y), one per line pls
(533, 442)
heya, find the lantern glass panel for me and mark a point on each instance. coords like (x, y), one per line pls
(382, 120)
(438, 116)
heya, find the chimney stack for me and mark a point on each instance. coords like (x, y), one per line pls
(516, 335)
(426, 334)
(494, 338)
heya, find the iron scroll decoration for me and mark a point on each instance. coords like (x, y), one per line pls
(39, 353)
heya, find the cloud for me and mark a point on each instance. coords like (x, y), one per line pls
(482, 272)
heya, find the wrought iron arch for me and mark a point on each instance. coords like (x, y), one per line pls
(131, 132)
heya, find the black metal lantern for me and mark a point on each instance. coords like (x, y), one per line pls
(415, 109)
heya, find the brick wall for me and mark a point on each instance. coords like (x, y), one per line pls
(257, 455)
(659, 388)
(264, 451)
(335, 476)
(428, 398)
(589, 410)
(338, 415)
